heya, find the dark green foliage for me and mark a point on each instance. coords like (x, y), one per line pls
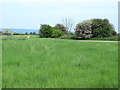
(102, 28)
(49, 32)
(56, 32)
(45, 31)
(26, 33)
(61, 27)
(113, 38)
(31, 33)
(34, 33)
(113, 32)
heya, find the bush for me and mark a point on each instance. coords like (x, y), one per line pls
(49, 32)
(113, 38)
(61, 27)
(83, 30)
(57, 33)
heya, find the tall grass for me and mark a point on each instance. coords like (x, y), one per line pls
(59, 63)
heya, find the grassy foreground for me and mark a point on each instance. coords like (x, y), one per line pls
(59, 63)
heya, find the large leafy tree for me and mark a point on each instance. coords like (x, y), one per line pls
(102, 28)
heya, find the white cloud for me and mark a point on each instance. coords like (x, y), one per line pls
(87, 1)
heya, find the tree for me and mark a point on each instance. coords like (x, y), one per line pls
(34, 33)
(56, 32)
(61, 27)
(45, 31)
(68, 23)
(84, 29)
(49, 32)
(16, 33)
(102, 28)
(26, 33)
(113, 32)
(31, 33)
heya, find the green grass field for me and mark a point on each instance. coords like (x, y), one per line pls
(59, 63)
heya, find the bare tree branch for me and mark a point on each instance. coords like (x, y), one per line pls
(68, 23)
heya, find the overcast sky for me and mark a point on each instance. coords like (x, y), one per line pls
(29, 14)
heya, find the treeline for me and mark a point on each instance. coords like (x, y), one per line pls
(30, 33)
(83, 30)
(93, 28)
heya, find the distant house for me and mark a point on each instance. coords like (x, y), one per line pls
(8, 32)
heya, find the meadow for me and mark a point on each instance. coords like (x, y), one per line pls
(59, 63)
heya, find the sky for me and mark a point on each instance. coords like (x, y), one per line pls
(29, 14)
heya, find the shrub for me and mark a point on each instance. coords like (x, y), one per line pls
(57, 33)
(50, 32)
(61, 27)
(83, 30)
